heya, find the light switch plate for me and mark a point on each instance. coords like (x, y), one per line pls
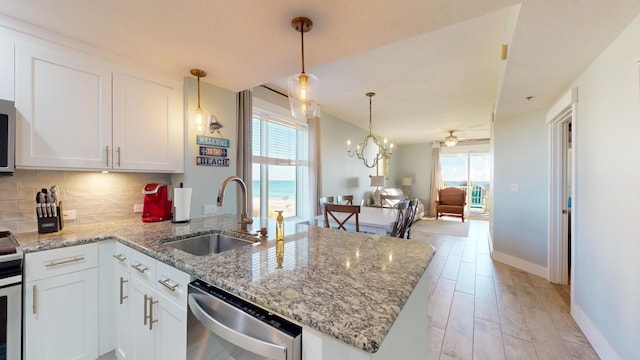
(210, 209)
(515, 187)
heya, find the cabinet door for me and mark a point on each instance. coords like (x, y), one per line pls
(7, 72)
(171, 335)
(63, 102)
(122, 315)
(61, 317)
(147, 124)
(142, 337)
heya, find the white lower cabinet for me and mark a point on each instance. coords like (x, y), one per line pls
(152, 314)
(158, 325)
(61, 304)
(70, 292)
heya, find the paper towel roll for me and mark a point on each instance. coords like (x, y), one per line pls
(182, 204)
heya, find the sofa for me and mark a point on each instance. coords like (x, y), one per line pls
(368, 200)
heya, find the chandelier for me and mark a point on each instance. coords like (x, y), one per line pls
(370, 151)
(303, 87)
(451, 140)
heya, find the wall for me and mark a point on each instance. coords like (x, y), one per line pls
(414, 161)
(606, 203)
(206, 180)
(520, 217)
(341, 174)
(96, 197)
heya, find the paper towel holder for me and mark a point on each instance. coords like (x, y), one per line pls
(173, 220)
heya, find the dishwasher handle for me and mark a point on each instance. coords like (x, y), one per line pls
(256, 346)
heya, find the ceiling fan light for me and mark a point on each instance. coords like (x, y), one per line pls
(451, 140)
(303, 95)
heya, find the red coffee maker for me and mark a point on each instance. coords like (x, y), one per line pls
(157, 206)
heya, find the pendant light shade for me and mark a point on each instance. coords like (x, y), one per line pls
(303, 87)
(199, 112)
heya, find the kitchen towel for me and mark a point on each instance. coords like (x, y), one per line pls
(182, 204)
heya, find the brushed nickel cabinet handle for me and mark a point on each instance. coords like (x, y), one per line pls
(120, 257)
(146, 309)
(107, 157)
(151, 321)
(169, 284)
(118, 151)
(122, 296)
(141, 268)
(35, 299)
(62, 262)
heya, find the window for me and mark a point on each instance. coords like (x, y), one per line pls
(279, 158)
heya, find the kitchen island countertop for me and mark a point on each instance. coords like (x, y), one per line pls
(350, 286)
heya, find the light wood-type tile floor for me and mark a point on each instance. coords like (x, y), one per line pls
(483, 309)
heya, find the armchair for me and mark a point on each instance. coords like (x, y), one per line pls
(451, 201)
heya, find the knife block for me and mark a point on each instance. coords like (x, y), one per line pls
(50, 224)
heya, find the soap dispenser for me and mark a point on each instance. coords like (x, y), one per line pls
(279, 239)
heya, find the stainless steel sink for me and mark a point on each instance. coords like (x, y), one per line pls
(209, 244)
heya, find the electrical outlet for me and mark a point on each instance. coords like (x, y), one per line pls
(137, 208)
(69, 214)
(210, 209)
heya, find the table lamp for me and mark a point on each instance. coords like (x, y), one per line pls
(406, 183)
(377, 181)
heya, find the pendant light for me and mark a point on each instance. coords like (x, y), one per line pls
(199, 73)
(370, 151)
(303, 87)
(451, 140)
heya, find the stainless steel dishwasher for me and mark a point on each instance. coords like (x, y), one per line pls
(223, 326)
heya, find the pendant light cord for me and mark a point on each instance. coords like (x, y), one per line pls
(302, 44)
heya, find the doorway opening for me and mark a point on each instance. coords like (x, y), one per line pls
(562, 152)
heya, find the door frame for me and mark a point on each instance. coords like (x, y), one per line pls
(558, 252)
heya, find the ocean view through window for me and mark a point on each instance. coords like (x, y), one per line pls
(279, 160)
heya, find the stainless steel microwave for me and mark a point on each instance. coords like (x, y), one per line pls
(7, 137)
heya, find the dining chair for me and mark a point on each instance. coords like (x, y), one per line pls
(345, 200)
(325, 200)
(401, 218)
(330, 210)
(391, 200)
(410, 217)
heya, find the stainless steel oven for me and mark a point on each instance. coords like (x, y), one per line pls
(10, 297)
(221, 326)
(7, 137)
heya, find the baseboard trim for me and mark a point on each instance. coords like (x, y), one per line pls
(520, 263)
(598, 342)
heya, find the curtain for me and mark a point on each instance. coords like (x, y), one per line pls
(244, 102)
(315, 181)
(436, 179)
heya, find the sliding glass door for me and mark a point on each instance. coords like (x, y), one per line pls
(470, 171)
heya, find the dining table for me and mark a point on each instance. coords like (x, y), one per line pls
(373, 220)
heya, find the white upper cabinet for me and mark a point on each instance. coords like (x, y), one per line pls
(63, 103)
(78, 111)
(145, 133)
(7, 69)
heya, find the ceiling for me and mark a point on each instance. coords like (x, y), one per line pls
(434, 64)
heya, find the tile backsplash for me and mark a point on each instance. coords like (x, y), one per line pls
(96, 197)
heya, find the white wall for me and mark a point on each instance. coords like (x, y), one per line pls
(520, 217)
(607, 202)
(205, 180)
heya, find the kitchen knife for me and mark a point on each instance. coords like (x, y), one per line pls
(38, 205)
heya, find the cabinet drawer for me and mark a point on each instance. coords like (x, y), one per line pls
(172, 283)
(48, 263)
(143, 267)
(122, 256)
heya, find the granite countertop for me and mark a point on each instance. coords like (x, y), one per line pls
(350, 286)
